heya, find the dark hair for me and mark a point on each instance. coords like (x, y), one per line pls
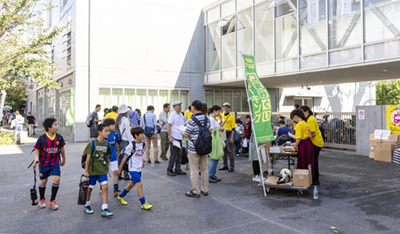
(150, 108)
(248, 117)
(48, 123)
(130, 107)
(190, 107)
(166, 105)
(215, 108)
(282, 117)
(136, 131)
(238, 121)
(297, 106)
(114, 108)
(98, 105)
(307, 108)
(138, 111)
(298, 113)
(109, 121)
(105, 110)
(198, 105)
(204, 108)
(119, 118)
(101, 127)
(282, 122)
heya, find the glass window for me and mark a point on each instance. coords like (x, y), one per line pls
(141, 100)
(236, 101)
(228, 44)
(382, 50)
(244, 33)
(382, 19)
(213, 49)
(117, 97)
(105, 97)
(344, 23)
(153, 100)
(312, 26)
(286, 37)
(245, 104)
(174, 96)
(228, 97)
(185, 98)
(213, 15)
(264, 33)
(209, 98)
(163, 96)
(285, 8)
(228, 8)
(240, 4)
(218, 97)
(130, 97)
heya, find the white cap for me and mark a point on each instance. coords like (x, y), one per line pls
(226, 104)
(123, 109)
(176, 103)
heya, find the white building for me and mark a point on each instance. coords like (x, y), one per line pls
(152, 52)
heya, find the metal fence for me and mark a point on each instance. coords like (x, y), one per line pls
(338, 129)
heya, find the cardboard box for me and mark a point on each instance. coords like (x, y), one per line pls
(374, 139)
(275, 149)
(302, 177)
(371, 145)
(383, 152)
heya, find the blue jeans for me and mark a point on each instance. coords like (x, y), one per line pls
(19, 127)
(213, 168)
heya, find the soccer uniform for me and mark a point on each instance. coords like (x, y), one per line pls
(98, 164)
(135, 163)
(112, 139)
(49, 155)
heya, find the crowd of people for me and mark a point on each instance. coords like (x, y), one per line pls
(121, 143)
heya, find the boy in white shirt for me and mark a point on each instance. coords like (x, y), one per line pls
(135, 164)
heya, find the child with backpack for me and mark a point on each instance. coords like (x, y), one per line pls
(47, 154)
(113, 140)
(134, 158)
(96, 168)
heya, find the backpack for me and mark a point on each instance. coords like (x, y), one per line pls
(126, 165)
(89, 120)
(84, 156)
(203, 144)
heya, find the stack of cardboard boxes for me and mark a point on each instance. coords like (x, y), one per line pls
(382, 144)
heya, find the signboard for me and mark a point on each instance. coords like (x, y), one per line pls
(393, 118)
(260, 101)
(361, 114)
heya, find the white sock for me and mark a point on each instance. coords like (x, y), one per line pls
(87, 203)
(104, 206)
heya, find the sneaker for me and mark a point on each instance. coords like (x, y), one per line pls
(191, 194)
(157, 162)
(257, 178)
(212, 180)
(223, 168)
(146, 206)
(216, 178)
(149, 162)
(171, 173)
(204, 193)
(53, 205)
(106, 213)
(42, 204)
(231, 169)
(180, 172)
(122, 200)
(88, 210)
(237, 155)
(117, 193)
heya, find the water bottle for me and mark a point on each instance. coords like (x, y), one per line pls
(315, 192)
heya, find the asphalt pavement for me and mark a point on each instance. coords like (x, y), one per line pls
(356, 195)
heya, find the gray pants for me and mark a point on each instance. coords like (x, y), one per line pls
(175, 157)
(164, 144)
(229, 151)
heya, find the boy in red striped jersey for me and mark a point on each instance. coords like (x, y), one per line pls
(47, 154)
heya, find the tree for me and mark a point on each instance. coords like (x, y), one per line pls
(388, 92)
(24, 43)
(16, 95)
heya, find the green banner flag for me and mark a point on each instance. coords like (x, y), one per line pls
(71, 110)
(260, 101)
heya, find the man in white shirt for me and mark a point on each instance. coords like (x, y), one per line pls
(163, 123)
(149, 123)
(175, 120)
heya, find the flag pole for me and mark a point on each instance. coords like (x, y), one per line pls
(252, 127)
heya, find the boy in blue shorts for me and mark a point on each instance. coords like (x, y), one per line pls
(47, 154)
(134, 153)
(113, 140)
(96, 168)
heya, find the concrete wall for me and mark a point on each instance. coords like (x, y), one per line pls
(375, 118)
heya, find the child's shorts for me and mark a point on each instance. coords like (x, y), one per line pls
(46, 171)
(136, 176)
(101, 178)
(113, 166)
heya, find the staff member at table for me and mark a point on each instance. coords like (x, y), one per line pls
(316, 138)
(303, 144)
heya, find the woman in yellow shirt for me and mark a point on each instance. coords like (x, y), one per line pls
(303, 144)
(316, 138)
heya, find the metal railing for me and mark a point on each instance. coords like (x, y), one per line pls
(338, 128)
